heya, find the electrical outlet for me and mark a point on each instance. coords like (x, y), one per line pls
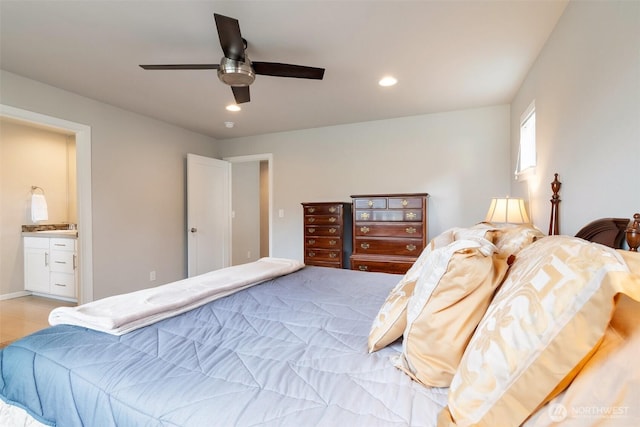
(152, 276)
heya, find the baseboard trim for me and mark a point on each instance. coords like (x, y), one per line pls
(15, 295)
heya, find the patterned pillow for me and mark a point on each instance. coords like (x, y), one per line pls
(510, 240)
(391, 320)
(544, 323)
(449, 299)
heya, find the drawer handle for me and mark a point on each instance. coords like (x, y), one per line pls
(332, 230)
(410, 230)
(364, 245)
(60, 244)
(404, 202)
(311, 219)
(364, 215)
(363, 268)
(311, 230)
(411, 247)
(60, 262)
(364, 230)
(333, 255)
(370, 203)
(311, 210)
(332, 242)
(60, 284)
(332, 219)
(411, 215)
(311, 241)
(46, 259)
(312, 254)
(332, 209)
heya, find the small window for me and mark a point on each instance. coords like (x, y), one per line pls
(527, 151)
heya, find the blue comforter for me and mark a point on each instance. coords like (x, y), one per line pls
(290, 351)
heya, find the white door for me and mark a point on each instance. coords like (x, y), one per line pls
(208, 214)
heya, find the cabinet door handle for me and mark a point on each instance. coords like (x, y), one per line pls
(411, 247)
(332, 209)
(312, 254)
(332, 219)
(363, 268)
(410, 230)
(46, 259)
(311, 241)
(74, 261)
(311, 210)
(332, 230)
(311, 219)
(364, 230)
(364, 245)
(333, 255)
(332, 242)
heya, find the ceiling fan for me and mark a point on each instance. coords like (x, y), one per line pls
(235, 68)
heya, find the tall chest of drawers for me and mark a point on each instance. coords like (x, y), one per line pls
(327, 234)
(389, 231)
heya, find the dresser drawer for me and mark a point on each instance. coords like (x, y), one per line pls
(63, 284)
(371, 203)
(62, 261)
(63, 244)
(322, 209)
(382, 265)
(322, 255)
(322, 219)
(323, 242)
(322, 230)
(389, 215)
(405, 203)
(381, 246)
(389, 230)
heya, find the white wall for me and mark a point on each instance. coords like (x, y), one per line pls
(586, 85)
(137, 183)
(460, 158)
(245, 182)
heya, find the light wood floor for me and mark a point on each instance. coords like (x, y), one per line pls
(22, 316)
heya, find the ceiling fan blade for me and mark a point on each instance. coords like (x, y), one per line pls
(241, 94)
(287, 70)
(230, 37)
(181, 67)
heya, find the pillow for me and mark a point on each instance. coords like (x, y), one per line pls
(450, 297)
(510, 239)
(390, 321)
(544, 323)
(605, 392)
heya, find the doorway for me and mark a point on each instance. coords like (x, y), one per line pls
(252, 201)
(83, 172)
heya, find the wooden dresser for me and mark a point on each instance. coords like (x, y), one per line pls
(389, 231)
(327, 234)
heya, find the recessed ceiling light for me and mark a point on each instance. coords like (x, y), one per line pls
(233, 107)
(387, 81)
(229, 124)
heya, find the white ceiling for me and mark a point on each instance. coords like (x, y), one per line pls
(447, 55)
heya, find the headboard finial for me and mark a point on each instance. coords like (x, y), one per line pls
(554, 228)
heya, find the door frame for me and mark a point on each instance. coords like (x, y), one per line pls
(268, 157)
(83, 188)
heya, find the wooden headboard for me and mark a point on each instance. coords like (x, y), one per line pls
(606, 231)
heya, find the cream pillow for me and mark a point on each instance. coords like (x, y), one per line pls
(606, 391)
(391, 319)
(450, 297)
(510, 239)
(544, 323)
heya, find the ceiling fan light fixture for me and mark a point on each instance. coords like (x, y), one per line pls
(236, 73)
(387, 81)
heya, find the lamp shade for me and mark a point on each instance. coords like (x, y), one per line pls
(507, 210)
